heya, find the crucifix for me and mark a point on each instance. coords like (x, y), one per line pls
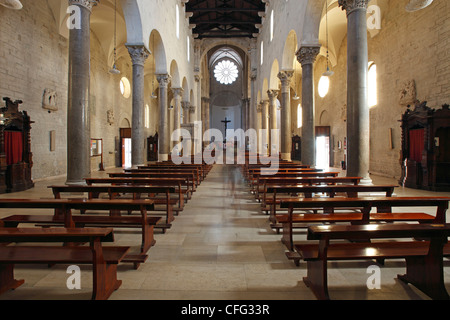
(226, 122)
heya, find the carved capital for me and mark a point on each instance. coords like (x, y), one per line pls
(273, 94)
(192, 109)
(177, 92)
(285, 77)
(138, 54)
(163, 80)
(351, 5)
(308, 54)
(185, 104)
(205, 99)
(259, 107)
(88, 4)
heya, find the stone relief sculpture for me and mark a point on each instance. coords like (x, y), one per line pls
(110, 116)
(408, 94)
(50, 100)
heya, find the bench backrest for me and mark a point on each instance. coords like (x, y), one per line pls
(55, 234)
(378, 231)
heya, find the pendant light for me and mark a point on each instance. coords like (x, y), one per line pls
(12, 4)
(327, 73)
(415, 5)
(114, 69)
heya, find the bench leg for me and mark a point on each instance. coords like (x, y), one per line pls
(287, 238)
(148, 239)
(104, 275)
(7, 281)
(426, 274)
(317, 279)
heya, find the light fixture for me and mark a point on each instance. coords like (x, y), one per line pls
(114, 69)
(415, 5)
(12, 4)
(2, 119)
(327, 73)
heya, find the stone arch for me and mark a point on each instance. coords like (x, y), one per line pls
(185, 86)
(175, 75)
(132, 15)
(158, 51)
(290, 48)
(274, 80)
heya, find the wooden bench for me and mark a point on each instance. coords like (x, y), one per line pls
(264, 182)
(350, 191)
(115, 191)
(365, 204)
(63, 215)
(192, 182)
(424, 259)
(195, 171)
(104, 259)
(182, 185)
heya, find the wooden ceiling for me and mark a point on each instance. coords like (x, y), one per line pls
(225, 18)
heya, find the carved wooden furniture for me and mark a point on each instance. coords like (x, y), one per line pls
(296, 148)
(15, 148)
(152, 148)
(425, 156)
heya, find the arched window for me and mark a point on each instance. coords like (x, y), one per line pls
(177, 21)
(299, 116)
(271, 26)
(324, 86)
(373, 86)
(262, 52)
(125, 87)
(147, 116)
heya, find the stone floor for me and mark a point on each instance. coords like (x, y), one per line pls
(219, 248)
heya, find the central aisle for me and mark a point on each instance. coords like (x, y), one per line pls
(219, 247)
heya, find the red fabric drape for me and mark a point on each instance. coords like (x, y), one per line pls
(416, 144)
(13, 147)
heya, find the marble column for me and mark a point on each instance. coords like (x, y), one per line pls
(206, 120)
(358, 121)
(164, 135)
(274, 142)
(253, 121)
(78, 122)
(258, 126)
(186, 112)
(307, 56)
(285, 131)
(177, 109)
(265, 136)
(138, 55)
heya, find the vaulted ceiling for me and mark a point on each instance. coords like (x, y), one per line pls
(225, 18)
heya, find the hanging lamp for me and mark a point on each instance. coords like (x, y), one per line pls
(415, 5)
(114, 69)
(12, 4)
(327, 73)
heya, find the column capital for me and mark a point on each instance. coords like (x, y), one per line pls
(192, 109)
(88, 4)
(259, 107)
(185, 104)
(177, 91)
(273, 94)
(352, 5)
(285, 77)
(138, 53)
(205, 100)
(307, 54)
(163, 80)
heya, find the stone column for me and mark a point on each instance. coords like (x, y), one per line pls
(138, 55)
(306, 56)
(177, 109)
(186, 112)
(358, 121)
(285, 132)
(164, 137)
(206, 120)
(78, 122)
(274, 143)
(253, 115)
(258, 126)
(265, 136)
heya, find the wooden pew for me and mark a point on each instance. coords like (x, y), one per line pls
(181, 184)
(63, 215)
(365, 204)
(264, 182)
(196, 171)
(114, 191)
(192, 182)
(424, 259)
(104, 259)
(351, 191)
